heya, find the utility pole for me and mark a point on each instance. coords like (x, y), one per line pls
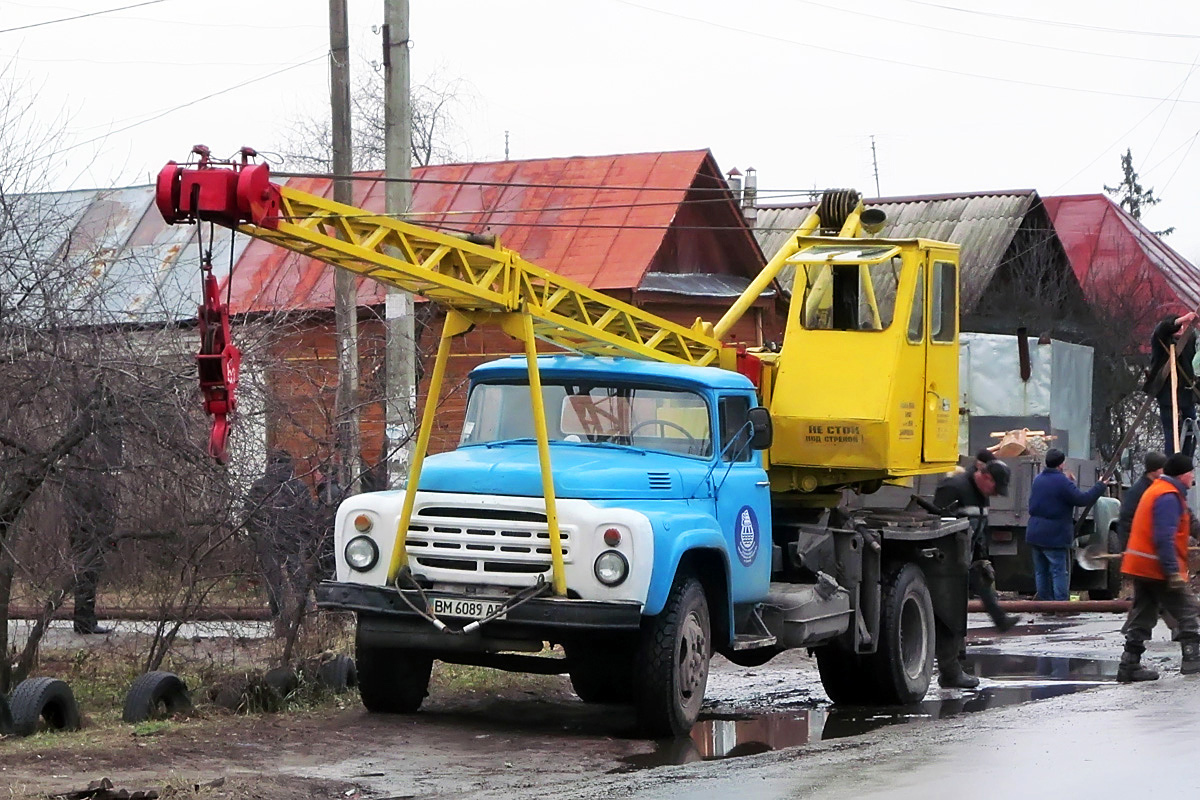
(875, 162)
(345, 297)
(400, 366)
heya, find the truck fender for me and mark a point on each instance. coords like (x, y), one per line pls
(708, 543)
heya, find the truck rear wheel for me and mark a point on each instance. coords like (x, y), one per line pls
(391, 680)
(671, 665)
(903, 664)
(899, 671)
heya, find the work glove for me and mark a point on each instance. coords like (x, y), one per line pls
(1176, 581)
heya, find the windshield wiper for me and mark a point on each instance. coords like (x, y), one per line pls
(611, 445)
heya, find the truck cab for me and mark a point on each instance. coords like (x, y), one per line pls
(659, 486)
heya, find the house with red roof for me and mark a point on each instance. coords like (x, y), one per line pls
(1129, 275)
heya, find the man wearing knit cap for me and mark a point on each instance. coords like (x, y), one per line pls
(1154, 463)
(1156, 560)
(1052, 502)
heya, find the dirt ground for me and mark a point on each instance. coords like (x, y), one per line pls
(479, 736)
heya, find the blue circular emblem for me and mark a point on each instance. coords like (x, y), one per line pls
(747, 535)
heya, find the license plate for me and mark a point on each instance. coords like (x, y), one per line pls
(464, 607)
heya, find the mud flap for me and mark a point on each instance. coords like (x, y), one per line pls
(946, 575)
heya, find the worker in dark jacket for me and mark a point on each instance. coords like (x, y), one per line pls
(1169, 331)
(1051, 529)
(1153, 463)
(966, 494)
(1157, 562)
(279, 514)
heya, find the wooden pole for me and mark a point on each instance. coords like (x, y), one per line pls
(345, 297)
(1174, 400)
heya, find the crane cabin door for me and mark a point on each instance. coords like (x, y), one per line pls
(940, 430)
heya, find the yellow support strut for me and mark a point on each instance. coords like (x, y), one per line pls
(456, 324)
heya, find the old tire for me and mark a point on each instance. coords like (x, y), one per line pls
(671, 663)
(391, 680)
(1112, 584)
(845, 676)
(338, 674)
(48, 700)
(903, 664)
(156, 695)
(601, 674)
(6, 720)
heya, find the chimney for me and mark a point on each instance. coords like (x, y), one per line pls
(750, 197)
(734, 178)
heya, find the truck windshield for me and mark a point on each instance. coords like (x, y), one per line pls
(666, 420)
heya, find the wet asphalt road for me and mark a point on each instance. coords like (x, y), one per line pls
(1048, 721)
(1053, 723)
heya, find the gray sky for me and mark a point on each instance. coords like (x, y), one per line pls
(960, 95)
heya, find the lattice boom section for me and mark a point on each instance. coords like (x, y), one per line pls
(473, 277)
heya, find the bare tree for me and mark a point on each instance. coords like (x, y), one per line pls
(436, 137)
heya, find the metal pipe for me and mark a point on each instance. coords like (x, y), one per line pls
(1057, 606)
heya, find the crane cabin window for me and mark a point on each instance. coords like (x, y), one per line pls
(943, 307)
(849, 297)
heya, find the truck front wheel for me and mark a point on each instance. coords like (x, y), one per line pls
(391, 680)
(672, 663)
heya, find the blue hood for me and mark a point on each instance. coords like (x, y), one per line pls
(585, 473)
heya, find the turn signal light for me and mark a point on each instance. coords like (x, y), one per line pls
(362, 523)
(612, 537)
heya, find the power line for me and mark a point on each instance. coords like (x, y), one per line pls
(1054, 23)
(384, 179)
(173, 109)
(892, 61)
(81, 16)
(1002, 40)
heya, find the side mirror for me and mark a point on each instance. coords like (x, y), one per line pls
(762, 434)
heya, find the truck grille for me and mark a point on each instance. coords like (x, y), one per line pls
(483, 541)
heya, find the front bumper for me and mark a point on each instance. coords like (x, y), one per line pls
(533, 618)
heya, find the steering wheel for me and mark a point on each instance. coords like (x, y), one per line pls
(666, 423)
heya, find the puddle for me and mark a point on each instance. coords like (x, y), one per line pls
(1008, 680)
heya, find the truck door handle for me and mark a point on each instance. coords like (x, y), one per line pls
(762, 483)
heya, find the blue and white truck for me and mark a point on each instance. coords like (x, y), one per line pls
(658, 494)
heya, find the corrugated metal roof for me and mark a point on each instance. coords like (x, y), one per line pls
(698, 284)
(1112, 252)
(598, 220)
(982, 224)
(132, 266)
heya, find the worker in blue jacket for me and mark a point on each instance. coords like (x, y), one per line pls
(1051, 528)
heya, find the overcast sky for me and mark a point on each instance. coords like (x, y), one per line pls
(959, 95)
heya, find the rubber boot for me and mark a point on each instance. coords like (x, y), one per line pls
(952, 676)
(1132, 671)
(1191, 658)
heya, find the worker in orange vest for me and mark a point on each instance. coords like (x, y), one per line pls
(1156, 559)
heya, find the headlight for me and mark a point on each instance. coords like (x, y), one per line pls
(611, 568)
(361, 553)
